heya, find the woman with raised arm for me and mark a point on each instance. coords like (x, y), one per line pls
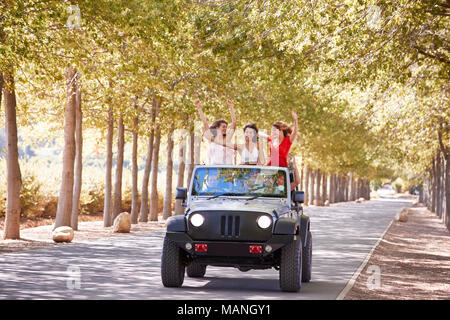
(252, 150)
(281, 138)
(218, 135)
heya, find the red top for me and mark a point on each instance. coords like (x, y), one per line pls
(278, 156)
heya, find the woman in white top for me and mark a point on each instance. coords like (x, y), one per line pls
(219, 135)
(252, 151)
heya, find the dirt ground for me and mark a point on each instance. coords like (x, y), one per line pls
(41, 236)
(412, 261)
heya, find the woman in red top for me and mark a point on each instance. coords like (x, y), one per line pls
(281, 139)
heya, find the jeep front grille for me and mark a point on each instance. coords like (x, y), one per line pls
(229, 226)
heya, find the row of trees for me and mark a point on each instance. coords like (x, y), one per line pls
(435, 192)
(368, 81)
(321, 188)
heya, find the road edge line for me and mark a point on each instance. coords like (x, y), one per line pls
(358, 271)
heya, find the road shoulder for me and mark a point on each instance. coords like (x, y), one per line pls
(412, 261)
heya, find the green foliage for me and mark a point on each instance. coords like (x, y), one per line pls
(399, 185)
(92, 198)
(30, 194)
(369, 80)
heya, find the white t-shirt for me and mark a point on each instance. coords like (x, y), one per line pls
(220, 155)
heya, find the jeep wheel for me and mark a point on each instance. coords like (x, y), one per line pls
(196, 270)
(172, 267)
(307, 259)
(291, 266)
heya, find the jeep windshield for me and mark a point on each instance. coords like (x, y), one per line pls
(251, 182)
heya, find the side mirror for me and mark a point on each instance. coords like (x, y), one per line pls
(299, 196)
(181, 193)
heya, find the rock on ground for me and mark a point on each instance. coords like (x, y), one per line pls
(62, 234)
(403, 215)
(122, 223)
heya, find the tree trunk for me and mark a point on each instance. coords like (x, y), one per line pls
(346, 188)
(362, 189)
(107, 212)
(191, 155)
(439, 191)
(13, 175)
(361, 193)
(311, 187)
(302, 172)
(337, 182)
(117, 201)
(154, 210)
(134, 172)
(368, 190)
(143, 212)
(445, 176)
(198, 148)
(430, 188)
(332, 188)
(78, 158)
(306, 189)
(352, 186)
(179, 209)
(341, 188)
(318, 198)
(167, 209)
(422, 192)
(434, 186)
(64, 209)
(447, 190)
(324, 188)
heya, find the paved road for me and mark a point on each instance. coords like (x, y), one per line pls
(128, 267)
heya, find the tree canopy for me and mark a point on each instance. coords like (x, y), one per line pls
(368, 79)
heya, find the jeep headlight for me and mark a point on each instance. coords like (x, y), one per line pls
(197, 219)
(264, 222)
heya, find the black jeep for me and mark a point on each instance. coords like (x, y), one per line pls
(239, 216)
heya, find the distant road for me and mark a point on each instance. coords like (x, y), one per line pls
(128, 267)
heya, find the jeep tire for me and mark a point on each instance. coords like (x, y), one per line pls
(196, 270)
(307, 259)
(291, 266)
(172, 266)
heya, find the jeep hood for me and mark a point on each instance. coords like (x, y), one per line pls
(239, 205)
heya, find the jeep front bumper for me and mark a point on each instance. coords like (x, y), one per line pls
(226, 248)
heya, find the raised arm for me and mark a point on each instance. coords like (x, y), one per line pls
(261, 154)
(233, 117)
(206, 131)
(295, 131)
(229, 145)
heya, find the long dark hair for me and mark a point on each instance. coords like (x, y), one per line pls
(254, 127)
